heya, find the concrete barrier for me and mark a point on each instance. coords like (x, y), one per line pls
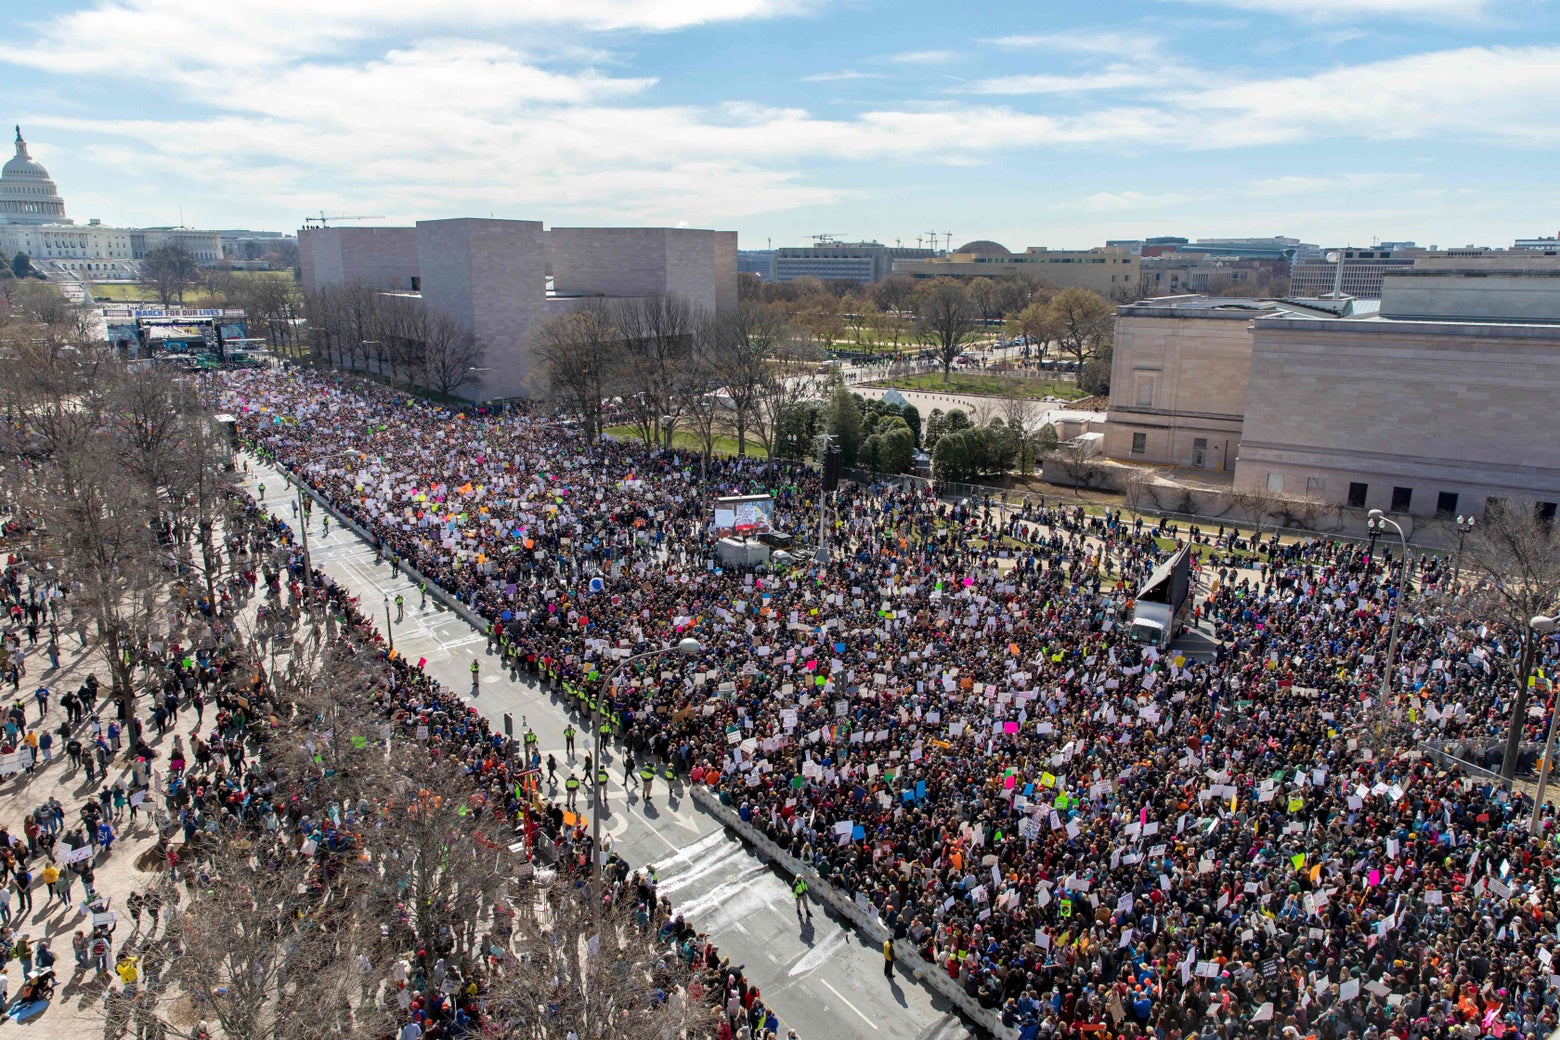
(865, 921)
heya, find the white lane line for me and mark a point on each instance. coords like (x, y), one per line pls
(848, 1004)
(719, 863)
(720, 893)
(704, 844)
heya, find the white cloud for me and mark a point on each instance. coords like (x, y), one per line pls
(1115, 78)
(921, 57)
(1110, 44)
(1358, 10)
(843, 74)
(135, 35)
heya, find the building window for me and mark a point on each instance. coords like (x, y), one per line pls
(1199, 451)
(1275, 483)
(1545, 513)
(1139, 443)
(1402, 499)
(1315, 485)
(1145, 391)
(1446, 503)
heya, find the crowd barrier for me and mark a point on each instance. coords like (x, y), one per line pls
(859, 915)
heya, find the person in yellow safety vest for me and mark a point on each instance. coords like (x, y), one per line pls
(888, 959)
(474, 669)
(647, 775)
(572, 786)
(601, 783)
(799, 893)
(568, 738)
(670, 774)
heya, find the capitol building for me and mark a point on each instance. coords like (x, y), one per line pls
(33, 221)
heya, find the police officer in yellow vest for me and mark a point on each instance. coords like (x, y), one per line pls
(601, 782)
(568, 738)
(799, 893)
(647, 775)
(572, 786)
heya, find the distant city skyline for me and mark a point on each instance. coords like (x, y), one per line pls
(1335, 121)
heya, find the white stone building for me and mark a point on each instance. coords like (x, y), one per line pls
(33, 221)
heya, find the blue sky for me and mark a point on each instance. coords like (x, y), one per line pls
(1032, 123)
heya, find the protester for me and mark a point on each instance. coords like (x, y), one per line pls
(950, 722)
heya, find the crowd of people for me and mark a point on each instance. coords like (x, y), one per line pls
(950, 720)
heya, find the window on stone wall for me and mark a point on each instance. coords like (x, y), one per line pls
(1275, 483)
(1446, 503)
(1402, 499)
(1139, 443)
(1315, 485)
(1145, 391)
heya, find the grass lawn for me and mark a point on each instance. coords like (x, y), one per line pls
(985, 385)
(132, 292)
(693, 442)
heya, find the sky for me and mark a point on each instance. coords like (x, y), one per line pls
(1032, 123)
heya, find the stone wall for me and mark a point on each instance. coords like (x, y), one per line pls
(1427, 407)
(1175, 378)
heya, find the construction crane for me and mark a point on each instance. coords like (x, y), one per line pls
(824, 239)
(932, 237)
(948, 236)
(324, 221)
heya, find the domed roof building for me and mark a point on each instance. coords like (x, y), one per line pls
(984, 247)
(27, 194)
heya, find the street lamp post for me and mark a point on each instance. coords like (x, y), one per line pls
(389, 628)
(1378, 521)
(1464, 525)
(1542, 625)
(686, 647)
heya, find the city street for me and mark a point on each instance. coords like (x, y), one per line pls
(823, 980)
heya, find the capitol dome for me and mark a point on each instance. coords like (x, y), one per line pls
(27, 195)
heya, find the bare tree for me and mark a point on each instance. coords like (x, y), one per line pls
(946, 321)
(169, 271)
(747, 351)
(1079, 461)
(579, 352)
(658, 334)
(1516, 555)
(894, 294)
(451, 358)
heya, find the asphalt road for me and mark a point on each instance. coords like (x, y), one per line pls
(822, 979)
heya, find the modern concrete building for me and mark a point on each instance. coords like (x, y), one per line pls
(378, 257)
(33, 221)
(864, 262)
(1439, 403)
(1113, 272)
(1179, 374)
(502, 279)
(699, 266)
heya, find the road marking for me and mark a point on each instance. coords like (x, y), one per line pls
(720, 893)
(848, 1004)
(815, 957)
(704, 844)
(720, 862)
